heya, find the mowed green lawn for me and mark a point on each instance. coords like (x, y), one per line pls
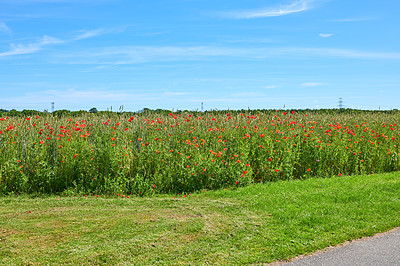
(257, 224)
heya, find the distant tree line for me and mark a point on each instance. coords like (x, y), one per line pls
(64, 112)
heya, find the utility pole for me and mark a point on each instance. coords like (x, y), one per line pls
(52, 107)
(340, 104)
(201, 106)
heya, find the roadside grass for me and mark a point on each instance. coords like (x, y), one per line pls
(259, 224)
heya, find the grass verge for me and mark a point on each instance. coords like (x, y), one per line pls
(252, 225)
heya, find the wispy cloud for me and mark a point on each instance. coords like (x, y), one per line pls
(312, 84)
(271, 87)
(325, 35)
(4, 28)
(175, 93)
(254, 40)
(125, 55)
(19, 49)
(132, 55)
(355, 19)
(347, 53)
(97, 32)
(24, 2)
(295, 7)
(89, 34)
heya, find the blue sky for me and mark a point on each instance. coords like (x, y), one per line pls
(176, 54)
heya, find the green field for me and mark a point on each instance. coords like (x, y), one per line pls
(152, 153)
(194, 188)
(250, 225)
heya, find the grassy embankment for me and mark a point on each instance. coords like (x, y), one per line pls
(257, 224)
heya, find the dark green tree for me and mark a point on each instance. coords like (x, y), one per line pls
(93, 110)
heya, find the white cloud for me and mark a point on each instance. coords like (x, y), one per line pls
(97, 32)
(312, 84)
(295, 7)
(18, 49)
(132, 55)
(175, 93)
(325, 35)
(89, 34)
(254, 40)
(52, 1)
(345, 53)
(4, 28)
(128, 55)
(101, 67)
(271, 87)
(46, 40)
(124, 55)
(355, 19)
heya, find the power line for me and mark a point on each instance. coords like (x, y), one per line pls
(340, 104)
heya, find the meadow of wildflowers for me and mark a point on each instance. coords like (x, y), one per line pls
(185, 152)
